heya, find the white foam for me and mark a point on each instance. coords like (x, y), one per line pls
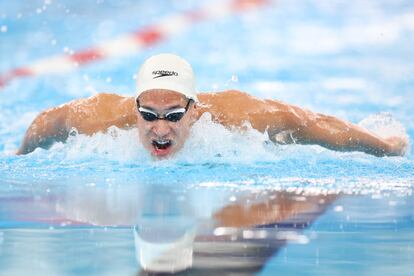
(212, 142)
(208, 142)
(115, 144)
(384, 125)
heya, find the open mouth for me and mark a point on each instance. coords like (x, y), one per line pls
(161, 147)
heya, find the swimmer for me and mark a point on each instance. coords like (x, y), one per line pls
(166, 106)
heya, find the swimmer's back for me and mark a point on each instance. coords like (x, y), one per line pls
(98, 113)
(101, 111)
(234, 108)
(284, 123)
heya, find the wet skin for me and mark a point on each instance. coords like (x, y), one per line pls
(154, 134)
(284, 123)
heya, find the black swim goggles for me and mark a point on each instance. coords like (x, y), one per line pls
(172, 116)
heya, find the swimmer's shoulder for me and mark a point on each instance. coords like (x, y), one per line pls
(104, 99)
(230, 100)
(231, 107)
(207, 97)
(240, 101)
(105, 102)
(100, 111)
(234, 108)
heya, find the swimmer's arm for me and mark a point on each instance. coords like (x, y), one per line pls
(336, 134)
(87, 116)
(286, 124)
(47, 128)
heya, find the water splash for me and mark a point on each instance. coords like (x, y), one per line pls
(208, 142)
(212, 142)
(384, 125)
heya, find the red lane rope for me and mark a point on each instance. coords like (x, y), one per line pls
(130, 43)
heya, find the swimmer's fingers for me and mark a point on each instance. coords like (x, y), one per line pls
(398, 145)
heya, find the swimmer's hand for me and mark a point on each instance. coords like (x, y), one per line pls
(398, 145)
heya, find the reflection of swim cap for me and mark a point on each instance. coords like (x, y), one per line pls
(167, 71)
(164, 247)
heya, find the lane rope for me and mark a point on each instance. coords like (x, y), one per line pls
(131, 43)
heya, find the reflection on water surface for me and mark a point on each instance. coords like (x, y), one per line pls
(165, 228)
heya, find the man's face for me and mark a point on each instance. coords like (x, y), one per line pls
(163, 138)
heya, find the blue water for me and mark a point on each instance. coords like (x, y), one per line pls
(353, 61)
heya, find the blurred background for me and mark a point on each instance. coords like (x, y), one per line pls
(350, 59)
(346, 59)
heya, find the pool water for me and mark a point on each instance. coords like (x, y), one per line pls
(229, 202)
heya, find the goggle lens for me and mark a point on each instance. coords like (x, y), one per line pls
(147, 116)
(172, 116)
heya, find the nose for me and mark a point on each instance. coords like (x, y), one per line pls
(161, 128)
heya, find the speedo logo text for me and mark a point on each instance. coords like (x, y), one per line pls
(163, 73)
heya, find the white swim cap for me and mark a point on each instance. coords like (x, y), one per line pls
(167, 71)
